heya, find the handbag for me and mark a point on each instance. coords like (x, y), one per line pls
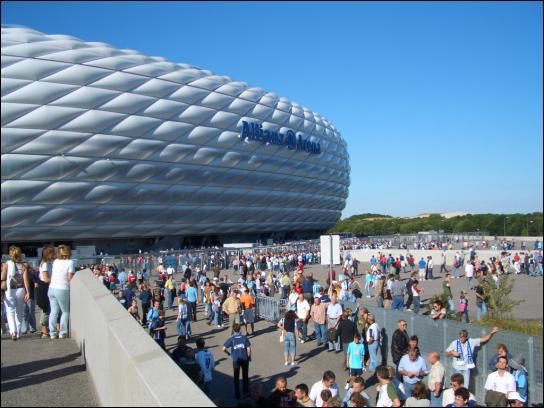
(331, 335)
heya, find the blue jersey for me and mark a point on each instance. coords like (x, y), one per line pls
(206, 362)
(238, 345)
(356, 352)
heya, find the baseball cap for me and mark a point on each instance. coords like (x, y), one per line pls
(515, 396)
(317, 296)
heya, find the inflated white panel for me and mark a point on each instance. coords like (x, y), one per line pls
(99, 142)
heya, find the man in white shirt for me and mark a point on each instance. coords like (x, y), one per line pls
(469, 273)
(501, 380)
(448, 396)
(462, 351)
(327, 383)
(303, 315)
(334, 311)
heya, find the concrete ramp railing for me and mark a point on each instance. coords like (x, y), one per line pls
(126, 365)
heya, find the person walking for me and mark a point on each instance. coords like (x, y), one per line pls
(303, 315)
(183, 321)
(429, 268)
(422, 269)
(232, 307)
(443, 263)
(248, 306)
(16, 287)
(191, 295)
(42, 297)
(240, 351)
(469, 274)
(59, 292)
(409, 284)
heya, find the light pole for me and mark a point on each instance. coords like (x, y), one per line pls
(528, 222)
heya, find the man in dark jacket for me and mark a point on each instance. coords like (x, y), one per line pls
(409, 284)
(399, 342)
(346, 330)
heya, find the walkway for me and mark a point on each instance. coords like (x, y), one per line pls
(48, 373)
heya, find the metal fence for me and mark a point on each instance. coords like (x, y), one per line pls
(437, 336)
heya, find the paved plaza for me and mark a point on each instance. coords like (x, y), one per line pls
(267, 351)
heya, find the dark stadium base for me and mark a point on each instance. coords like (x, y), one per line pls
(134, 245)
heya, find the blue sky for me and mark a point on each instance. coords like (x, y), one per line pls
(440, 103)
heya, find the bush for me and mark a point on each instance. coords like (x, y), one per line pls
(499, 302)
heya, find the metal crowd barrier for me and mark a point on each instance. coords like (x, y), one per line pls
(437, 336)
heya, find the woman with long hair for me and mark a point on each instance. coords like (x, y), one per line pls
(287, 326)
(59, 292)
(16, 284)
(42, 288)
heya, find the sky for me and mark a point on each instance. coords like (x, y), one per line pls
(440, 103)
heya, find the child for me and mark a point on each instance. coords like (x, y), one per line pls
(463, 306)
(159, 333)
(354, 359)
(388, 396)
(325, 396)
(205, 360)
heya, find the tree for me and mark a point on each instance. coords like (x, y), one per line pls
(499, 301)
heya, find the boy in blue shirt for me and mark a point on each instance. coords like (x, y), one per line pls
(354, 359)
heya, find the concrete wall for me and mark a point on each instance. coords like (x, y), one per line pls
(126, 365)
(364, 255)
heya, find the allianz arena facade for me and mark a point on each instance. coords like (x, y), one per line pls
(102, 143)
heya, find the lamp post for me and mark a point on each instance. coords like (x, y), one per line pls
(528, 222)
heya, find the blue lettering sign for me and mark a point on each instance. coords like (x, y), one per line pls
(254, 131)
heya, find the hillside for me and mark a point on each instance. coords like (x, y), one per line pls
(492, 224)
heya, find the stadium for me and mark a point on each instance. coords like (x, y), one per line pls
(102, 144)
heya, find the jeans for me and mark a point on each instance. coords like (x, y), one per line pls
(60, 304)
(208, 309)
(192, 309)
(168, 296)
(481, 311)
(29, 316)
(183, 327)
(408, 389)
(244, 365)
(302, 326)
(469, 282)
(417, 303)
(398, 303)
(373, 350)
(320, 333)
(436, 401)
(379, 301)
(336, 343)
(450, 304)
(14, 300)
(289, 344)
(456, 273)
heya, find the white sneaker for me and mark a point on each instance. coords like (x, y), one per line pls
(301, 341)
(219, 326)
(286, 363)
(292, 363)
(347, 386)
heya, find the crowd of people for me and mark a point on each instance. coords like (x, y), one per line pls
(412, 379)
